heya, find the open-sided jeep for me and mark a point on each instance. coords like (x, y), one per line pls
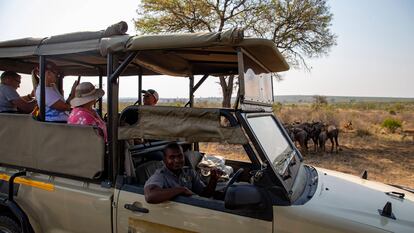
(57, 177)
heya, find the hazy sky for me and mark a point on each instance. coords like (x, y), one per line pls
(374, 55)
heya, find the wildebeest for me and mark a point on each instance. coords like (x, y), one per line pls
(298, 135)
(301, 136)
(322, 140)
(315, 130)
(333, 133)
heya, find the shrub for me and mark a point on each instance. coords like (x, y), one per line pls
(391, 124)
(277, 107)
(362, 133)
(319, 101)
(392, 112)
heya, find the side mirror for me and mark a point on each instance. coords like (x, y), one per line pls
(242, 196)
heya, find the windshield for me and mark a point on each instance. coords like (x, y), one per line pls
(274, 144)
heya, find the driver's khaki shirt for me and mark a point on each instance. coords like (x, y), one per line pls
(188, 178)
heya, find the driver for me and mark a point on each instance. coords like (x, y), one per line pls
(174, 179)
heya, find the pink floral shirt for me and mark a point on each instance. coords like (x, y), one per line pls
(82, 116)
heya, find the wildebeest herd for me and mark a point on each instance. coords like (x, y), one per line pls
(318, 132)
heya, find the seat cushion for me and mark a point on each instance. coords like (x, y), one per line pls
(193, 158)
(145, 170)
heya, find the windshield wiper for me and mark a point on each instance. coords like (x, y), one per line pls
(284, 163)
(411, 190)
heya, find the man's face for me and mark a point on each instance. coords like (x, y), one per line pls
(14, 82)
(149, 99)
(174, 159)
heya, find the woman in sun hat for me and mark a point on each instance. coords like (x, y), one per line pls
(83, 113)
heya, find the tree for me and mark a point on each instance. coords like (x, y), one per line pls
(300, 28)
(319, 101)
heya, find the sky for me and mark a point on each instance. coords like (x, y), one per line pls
(374, 55)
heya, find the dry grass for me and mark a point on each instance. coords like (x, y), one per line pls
(388, 158)
(234, 152)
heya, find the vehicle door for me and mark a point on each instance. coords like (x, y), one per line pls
(183, 214)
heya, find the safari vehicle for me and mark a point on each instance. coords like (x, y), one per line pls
(64, 178)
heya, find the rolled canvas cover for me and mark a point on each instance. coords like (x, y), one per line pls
(184, 40)
(180, 124)
(75, 42)
(53, 147)
(179, 54)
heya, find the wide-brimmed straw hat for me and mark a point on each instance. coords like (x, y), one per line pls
(85, 93)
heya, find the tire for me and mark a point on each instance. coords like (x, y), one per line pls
(9, 225)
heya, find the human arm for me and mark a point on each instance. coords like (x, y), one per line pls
(55, 100)
(61, 106)
(23, 105)
(209, 190)
(155, 194)
(27, 98)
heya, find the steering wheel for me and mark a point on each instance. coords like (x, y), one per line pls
(233, 179)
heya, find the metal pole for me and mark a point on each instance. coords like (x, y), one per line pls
(100, 99)
(113, 73)
(191, 91)
(42, 103)
(112, 90)
(200, 82)
(116, 72)
(240, 63)
(140, 89)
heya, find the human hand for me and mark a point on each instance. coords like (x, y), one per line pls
(186, 192)
(35, 72)
(216, 173)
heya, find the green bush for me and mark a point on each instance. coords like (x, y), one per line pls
(391, 124)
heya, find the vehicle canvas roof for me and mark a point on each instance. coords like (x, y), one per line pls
(83, 53)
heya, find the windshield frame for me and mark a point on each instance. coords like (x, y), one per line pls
(242, 53)
(287, 183)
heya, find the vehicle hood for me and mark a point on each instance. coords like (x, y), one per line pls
(360, 200)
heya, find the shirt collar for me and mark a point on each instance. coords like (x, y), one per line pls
(164, 169)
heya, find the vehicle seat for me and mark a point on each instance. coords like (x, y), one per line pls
(193, 158)
(146, 170)
(129, 116)
(128, 163)
(149, 156)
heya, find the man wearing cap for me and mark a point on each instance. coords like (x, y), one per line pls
(83, 113)
(10, 100)
(150, 97)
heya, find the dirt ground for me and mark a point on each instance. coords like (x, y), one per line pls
(386, 158)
